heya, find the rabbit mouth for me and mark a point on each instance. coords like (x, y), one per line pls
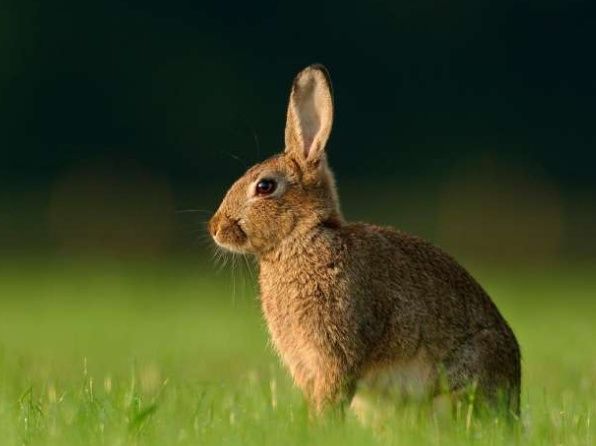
(232, 248)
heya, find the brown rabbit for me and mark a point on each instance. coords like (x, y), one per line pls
(353, 306)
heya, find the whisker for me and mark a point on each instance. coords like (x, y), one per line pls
(251, 276)
(248, 268)
(185, 211)
(203, 241)
(234, 280)
(257, 144)
(201, 232)
(237, 158)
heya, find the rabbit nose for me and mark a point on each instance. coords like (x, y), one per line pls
(214, 225)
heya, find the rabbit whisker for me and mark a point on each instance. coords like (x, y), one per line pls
(185, 211)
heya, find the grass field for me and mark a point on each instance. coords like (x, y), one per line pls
(114, 353)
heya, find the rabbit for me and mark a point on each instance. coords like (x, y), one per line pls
(353, 307)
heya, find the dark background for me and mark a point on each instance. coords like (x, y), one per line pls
(471, 123)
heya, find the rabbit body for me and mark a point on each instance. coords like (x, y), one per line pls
(345, 305)
(353, 306)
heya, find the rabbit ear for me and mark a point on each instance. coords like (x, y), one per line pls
(310, 114)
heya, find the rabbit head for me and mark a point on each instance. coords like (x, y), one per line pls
(289, 193)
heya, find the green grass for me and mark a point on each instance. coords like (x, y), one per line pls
(117, 353)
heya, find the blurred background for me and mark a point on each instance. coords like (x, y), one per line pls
(469, 123)
(123, 123)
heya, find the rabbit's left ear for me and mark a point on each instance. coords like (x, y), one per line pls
(310, 115)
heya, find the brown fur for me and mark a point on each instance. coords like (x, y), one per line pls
(354, 306)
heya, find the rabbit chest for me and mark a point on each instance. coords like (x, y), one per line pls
(309, 316)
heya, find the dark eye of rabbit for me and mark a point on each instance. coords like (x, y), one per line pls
(266, 186)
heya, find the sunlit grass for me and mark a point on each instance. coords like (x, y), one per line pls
(109, 352)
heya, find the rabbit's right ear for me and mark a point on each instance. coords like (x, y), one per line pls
(310, 115)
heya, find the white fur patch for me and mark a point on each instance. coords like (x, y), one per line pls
(381, 388)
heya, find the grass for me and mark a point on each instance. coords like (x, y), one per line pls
(117, 353)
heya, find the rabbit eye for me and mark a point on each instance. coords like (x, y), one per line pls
(266, 187)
